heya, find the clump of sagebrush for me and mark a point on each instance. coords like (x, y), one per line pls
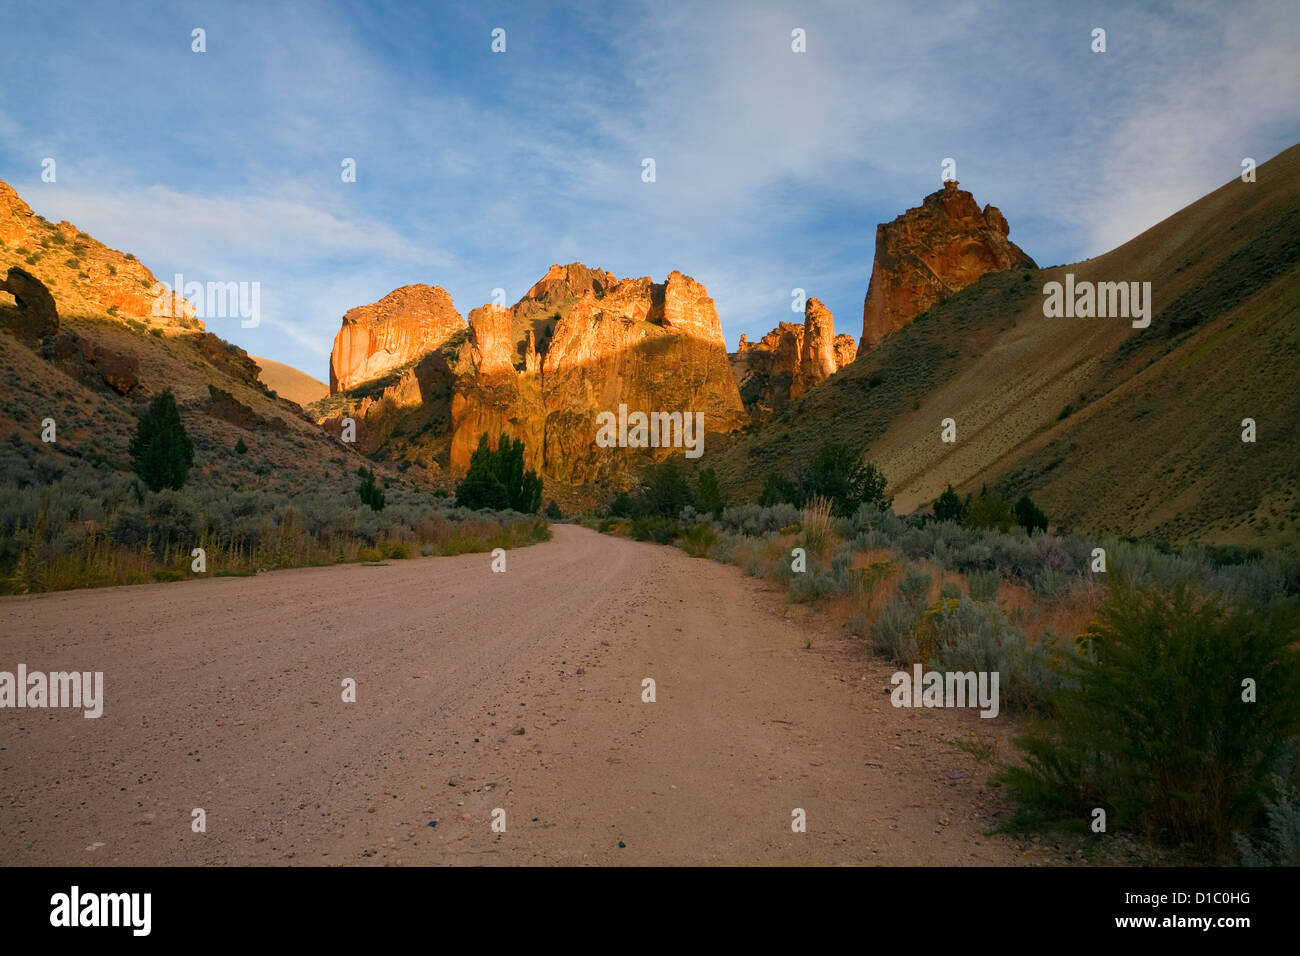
(1276, 842)
(1172, 723)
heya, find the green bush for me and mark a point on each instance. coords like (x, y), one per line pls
(989, 510)
(655, 528)
(698, 540)
(837, 472)
(1152, 725)
(622, 506)
(161, 450)
(778, 490)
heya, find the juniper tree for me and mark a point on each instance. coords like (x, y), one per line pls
(161, 451)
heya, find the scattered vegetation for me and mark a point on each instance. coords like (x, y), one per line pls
(1130, 680)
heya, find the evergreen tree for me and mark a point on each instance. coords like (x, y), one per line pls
(497, 479)
(161, 450)
(708, 499)
(1029, 516)
(949, 506)
(665, 491)
(838, 473)
(370, 493)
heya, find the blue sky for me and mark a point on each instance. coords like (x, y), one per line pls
(477, 170)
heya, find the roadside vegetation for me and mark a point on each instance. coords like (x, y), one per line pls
(1160, 686)
(75, 523)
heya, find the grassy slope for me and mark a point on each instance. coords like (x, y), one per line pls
(1152, 446)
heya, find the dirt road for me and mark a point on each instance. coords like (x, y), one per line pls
(476, 691)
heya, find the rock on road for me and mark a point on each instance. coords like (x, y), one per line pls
(476, 691)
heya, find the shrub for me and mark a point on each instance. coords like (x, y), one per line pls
(983, 585)
(241, 448)
(161, 450)
(553, 510)
(621, 506)
(655, 528)
(989, 511)
(1152, 724)
(698, 540)
(778, 490)
(1278, 842)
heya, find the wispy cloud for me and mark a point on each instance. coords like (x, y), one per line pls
(477, 170)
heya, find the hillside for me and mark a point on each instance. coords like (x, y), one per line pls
(95, 366)
(1110, 428)
(289, 382)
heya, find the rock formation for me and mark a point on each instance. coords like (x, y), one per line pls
(790, 360)
(227, 357)
(82, 272)
(401, 327)
(578, 343)
(930, 252)
(33, 314)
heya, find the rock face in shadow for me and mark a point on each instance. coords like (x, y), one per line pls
(790, 360)
(33, 314)
(930, 252)
(401, 327)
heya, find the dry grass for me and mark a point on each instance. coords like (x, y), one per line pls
(818, 526)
